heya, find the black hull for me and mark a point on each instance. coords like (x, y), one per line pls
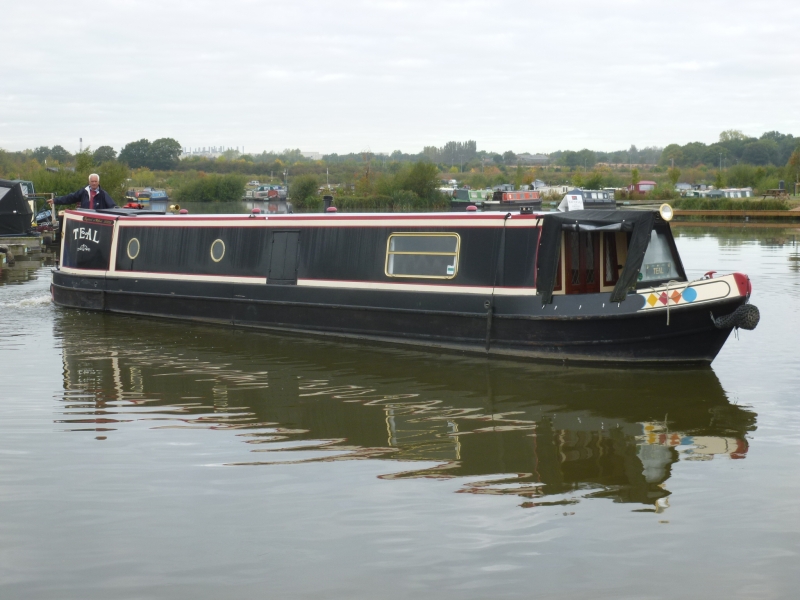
(514, 327)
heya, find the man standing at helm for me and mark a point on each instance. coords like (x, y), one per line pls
(92, 196)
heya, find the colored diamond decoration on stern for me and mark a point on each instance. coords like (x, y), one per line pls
(652, 299)
(675, 296)
(663, 298)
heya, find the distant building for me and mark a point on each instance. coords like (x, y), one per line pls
(737, 192)
(312, 155)
(553, 190)
(210, 152)
(526, 158)
(643, 187)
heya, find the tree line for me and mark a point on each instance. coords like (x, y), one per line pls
(162, 154)
(393, 180)
(732, 148)
(453, 153)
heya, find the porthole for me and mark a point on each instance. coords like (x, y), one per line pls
(217, 250)
(133, 248)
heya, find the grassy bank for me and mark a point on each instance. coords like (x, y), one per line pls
(744, 204)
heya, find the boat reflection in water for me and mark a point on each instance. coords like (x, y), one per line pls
(550, 435)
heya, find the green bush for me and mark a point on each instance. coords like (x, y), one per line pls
(663, 191)
(211, 188)
(398, 201)
(60, 183)
(407, 201)
(413, 188)
(377, 203)
(303, 192)
(422, 179)
(307, 204)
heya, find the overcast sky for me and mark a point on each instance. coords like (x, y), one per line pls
(349, 76)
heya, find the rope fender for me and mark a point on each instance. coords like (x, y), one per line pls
(9, 255)
(746, 317)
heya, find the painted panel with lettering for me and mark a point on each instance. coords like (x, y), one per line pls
(87, 245)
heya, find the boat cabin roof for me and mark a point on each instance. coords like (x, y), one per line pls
(489, 218)
(590, 218)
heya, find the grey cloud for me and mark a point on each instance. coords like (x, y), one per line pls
(343, 76)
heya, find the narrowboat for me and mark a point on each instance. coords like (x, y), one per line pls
(582, 199)
(462, 198)
(271, 192)
(495, 200)
(593, 286)
(149, 198)
(513, 200)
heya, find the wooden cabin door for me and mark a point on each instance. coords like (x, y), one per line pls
(283, 258)
(583, 262)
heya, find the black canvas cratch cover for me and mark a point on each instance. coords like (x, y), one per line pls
(15, 212)
(639, 222)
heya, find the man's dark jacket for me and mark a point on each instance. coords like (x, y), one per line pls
(81, 198)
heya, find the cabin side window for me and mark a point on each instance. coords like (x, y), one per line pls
(611, 265)
(423, 255)
(659, 264)
(582, 251)
(557, 286)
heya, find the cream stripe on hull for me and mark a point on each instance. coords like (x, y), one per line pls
(318, 283)
(412, 287)
(165, 276)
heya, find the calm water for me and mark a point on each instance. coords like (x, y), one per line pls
(148, 459)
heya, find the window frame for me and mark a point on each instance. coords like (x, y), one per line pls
(586, 245)
(457, 253)
(677, 265)
(609, 254)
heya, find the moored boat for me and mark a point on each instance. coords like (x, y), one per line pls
(580, 199)
(591, 285)
(463, 198)
(513, 200)
(271, 192)
(148, 198)
(495, 199)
